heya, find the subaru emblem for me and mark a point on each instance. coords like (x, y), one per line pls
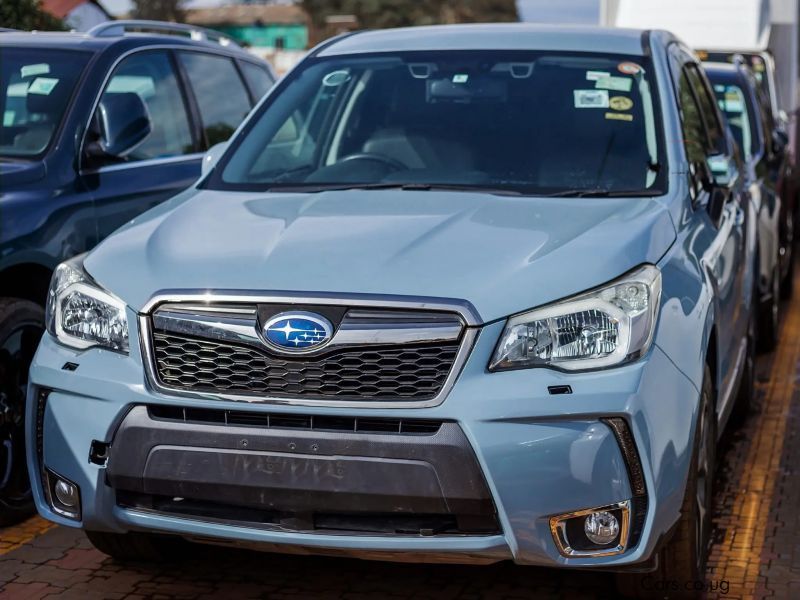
(297, 331)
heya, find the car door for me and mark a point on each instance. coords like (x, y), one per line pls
(166, 162)
(727, 256)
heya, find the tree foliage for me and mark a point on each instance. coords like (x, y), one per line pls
(158, 10)
(27, 15)
(377, 14)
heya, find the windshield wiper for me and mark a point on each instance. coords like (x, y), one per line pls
(601, 193)
(335, 187)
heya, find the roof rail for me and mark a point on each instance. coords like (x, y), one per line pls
(118, 28)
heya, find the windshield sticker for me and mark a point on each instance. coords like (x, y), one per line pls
(595, 75)
(336, 78)
(628, 68)
(460, 78)
(618, 84)
(42, 85)
(591, 99)
(611, 116)
(8, 118)
(37, 69)
(620, 103)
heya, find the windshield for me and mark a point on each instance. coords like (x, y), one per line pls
(739, 115)
(522, 122)
(35, 88)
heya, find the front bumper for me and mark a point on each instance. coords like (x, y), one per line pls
(522, 455)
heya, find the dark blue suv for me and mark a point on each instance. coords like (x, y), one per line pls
(96, 129)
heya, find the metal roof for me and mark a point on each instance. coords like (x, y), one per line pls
(501, 36)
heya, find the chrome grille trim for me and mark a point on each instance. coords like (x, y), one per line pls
(358, 328)
(446, 321)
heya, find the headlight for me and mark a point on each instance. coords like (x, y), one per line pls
(601, 328)
(81, 314)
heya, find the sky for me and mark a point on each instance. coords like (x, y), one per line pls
(559, 11)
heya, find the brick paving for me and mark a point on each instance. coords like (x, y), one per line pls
(755, 554)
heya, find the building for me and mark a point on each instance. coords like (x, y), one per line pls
(276, 32)
(80, 15)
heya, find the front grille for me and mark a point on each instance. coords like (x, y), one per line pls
(269, 420)
(408, 372)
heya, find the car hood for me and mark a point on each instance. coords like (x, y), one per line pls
(17, 173)
(503, 254)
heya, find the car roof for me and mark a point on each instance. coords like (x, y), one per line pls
(498, 36)
(72, 40)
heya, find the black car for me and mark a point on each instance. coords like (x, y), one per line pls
(96, 129)
(747, 111)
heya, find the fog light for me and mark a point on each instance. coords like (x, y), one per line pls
(601, 527)
(63, 496)
(66, 493)
(592, 532)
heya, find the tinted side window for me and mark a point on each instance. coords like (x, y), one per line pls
(151, 76)
(257, 78)
(694, 134)
(220, 92)
(708, 110)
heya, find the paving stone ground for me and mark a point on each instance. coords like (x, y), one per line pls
(755, 554)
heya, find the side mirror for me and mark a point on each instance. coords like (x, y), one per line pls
(123, 124)
(211, 157)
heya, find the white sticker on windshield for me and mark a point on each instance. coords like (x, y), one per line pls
(591, 99)
(42, 85)
(595, 75)
(618, 84)
(37, 69)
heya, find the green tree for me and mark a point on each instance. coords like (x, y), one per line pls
(158, 10)
(27, 15)
(377, 14)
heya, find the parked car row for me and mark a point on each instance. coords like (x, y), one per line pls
(471, 293)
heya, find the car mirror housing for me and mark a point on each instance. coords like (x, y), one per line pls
(124, 123)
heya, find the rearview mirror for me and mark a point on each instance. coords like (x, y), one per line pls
(123, 123)
(211, 157)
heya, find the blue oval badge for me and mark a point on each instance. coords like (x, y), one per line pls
(297, 331)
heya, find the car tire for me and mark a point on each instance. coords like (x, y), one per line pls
(681, 562)
(769, 317)
(21, 327)
(139, 547)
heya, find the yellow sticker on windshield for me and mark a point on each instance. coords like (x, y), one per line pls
(619, 117)
(620, 103)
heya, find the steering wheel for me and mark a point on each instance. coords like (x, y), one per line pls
(375, 157)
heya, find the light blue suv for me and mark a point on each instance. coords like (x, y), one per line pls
(465, 293)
